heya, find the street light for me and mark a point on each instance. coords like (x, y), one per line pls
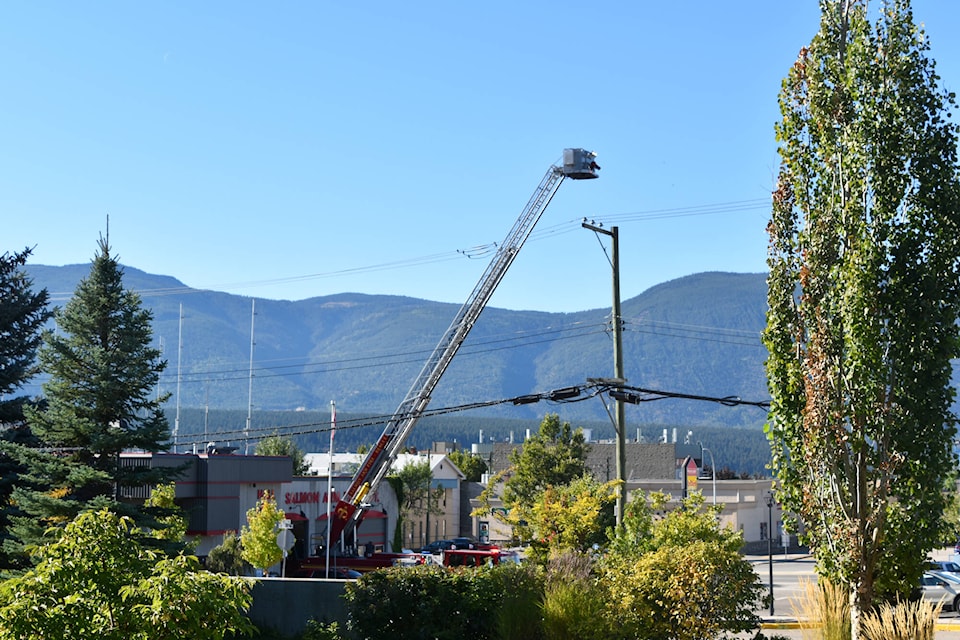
(770, 543)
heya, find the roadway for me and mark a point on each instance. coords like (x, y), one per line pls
(791, 572)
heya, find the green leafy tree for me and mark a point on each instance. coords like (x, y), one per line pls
(472, 466)
(101, 400)
(683, 577)
(570, 518)
(555, 456)
(258, 538)
(277, 445)
(864, 299)
(416, 496)
(173, 523)
(99, 579)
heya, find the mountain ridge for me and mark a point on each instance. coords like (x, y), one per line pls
(698, 335)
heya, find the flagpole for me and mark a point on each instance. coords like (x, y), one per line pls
(333, 427)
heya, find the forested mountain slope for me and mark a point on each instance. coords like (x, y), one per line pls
(695, 335)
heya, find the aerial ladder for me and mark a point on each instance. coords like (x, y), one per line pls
(578, 164)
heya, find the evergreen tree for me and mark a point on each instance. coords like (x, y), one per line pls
(864, 297)
(100, 402)
(22, 316)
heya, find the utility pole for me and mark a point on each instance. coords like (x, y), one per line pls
(617, 322)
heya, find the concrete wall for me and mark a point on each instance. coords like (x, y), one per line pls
(286, 605)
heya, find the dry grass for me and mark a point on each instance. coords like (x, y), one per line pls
(902, 621)
(823, 611)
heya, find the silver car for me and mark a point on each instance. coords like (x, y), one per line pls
(937, 589)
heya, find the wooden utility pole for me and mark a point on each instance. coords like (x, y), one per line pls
(617, 323)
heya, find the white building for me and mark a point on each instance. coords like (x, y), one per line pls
(419, 529)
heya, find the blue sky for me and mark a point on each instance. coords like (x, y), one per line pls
(296, 149)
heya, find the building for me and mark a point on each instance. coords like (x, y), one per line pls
(422, 528)
(652, 467)
(215, 490)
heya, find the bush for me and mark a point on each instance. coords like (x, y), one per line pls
(573, 603)
(692, 592)
(520, 590)
(434, 603)
(823, 610)
(902, 621)
(320, 631)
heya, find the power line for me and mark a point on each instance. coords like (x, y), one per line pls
(475, 252)
(565, 395)
(380, 360)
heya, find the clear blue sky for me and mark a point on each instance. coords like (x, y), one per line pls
(296, 149)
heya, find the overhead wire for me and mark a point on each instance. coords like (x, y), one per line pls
(475, 252)
(565, 395)
(378, 360)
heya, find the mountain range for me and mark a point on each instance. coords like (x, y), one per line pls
(697, 335)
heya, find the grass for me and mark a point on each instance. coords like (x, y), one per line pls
(823, 611)
(902, 621)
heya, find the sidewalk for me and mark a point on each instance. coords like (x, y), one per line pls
(789, 628)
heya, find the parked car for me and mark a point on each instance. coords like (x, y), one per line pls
(437, 546)
(464, 543)
(936, 589)
(946, 566)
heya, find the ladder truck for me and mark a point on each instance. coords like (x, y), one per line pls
(578, 164)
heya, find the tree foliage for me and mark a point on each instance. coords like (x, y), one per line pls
(277, 445)
(227, 556)
(258, 538)
(570, 518)
(23, 313)
(413, 485)
(675, 572)
(864, 293)
(99, 580)
(555, 456)
(472, 465)
(101, 400)
(173, 523)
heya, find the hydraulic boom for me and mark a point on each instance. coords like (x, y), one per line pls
(578, 164)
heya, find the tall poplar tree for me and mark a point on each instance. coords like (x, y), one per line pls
(864, 295)
(100, 401)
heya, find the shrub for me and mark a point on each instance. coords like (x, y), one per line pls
(320, 631)
(520, 593)
(573, 603)
(691, 592)
(823, 611)
(902, 621)
(435, 603)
